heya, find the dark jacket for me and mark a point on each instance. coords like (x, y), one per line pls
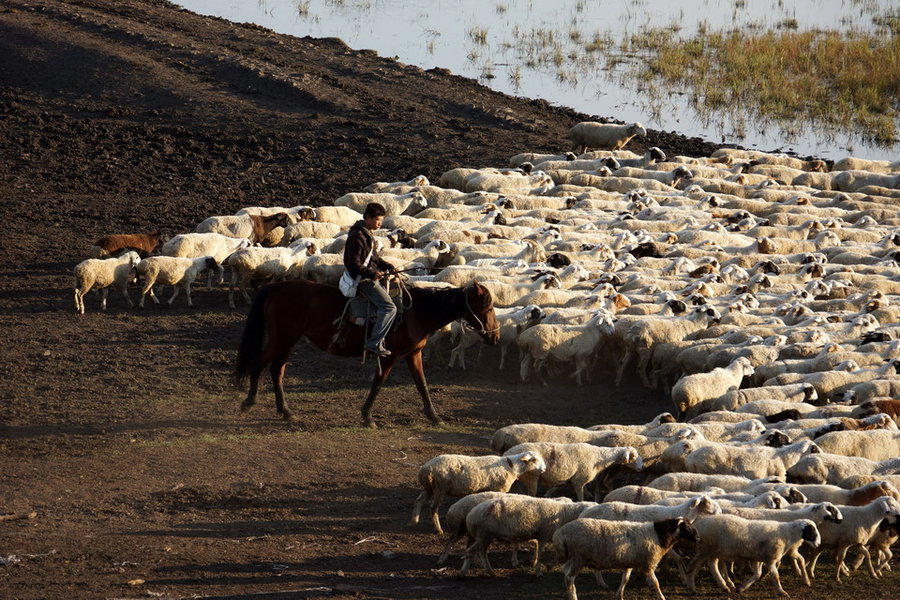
(359, 242)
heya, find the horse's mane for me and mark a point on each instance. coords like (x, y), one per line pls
(436, 304)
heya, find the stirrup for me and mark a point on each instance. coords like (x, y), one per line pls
(379, 351)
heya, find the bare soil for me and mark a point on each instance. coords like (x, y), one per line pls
(127, 469)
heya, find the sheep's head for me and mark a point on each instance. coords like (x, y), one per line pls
(809, 534)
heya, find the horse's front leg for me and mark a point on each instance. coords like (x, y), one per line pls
(378, 378)
(414, 362)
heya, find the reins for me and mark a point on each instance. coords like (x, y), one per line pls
(475, 316)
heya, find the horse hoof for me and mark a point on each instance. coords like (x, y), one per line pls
(437, 421)
(289, 417)
(246, 406)
(371, 424)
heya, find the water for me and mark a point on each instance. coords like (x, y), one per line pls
(486, 40)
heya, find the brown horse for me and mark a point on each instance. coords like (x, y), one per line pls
(284, 312)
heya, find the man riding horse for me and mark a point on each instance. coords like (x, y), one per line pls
(367, 269)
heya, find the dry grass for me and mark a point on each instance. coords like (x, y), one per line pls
(851, 80)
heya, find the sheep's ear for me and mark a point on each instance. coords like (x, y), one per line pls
(509, 462)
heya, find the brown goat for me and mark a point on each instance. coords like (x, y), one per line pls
(261, 226)
(887, 406)
(142, 243)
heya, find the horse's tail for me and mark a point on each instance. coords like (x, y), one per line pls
(251, 339)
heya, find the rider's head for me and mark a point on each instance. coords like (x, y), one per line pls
(373, 215)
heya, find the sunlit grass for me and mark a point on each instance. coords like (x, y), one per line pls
(848, 79)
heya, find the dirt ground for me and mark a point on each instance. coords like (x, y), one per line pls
(127, 469)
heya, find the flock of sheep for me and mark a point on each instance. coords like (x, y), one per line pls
(757, 290)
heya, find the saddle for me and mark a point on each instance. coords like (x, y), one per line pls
(359, 312)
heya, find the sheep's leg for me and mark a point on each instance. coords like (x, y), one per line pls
(103, 294)
(79, 302)
(525, 367)
(417, 509)
(654, 584)
(437, 498)
(623, 363)
(536, 563)
(570, 572)
(643, 361)
(503, 349)
(187, 292)
(127, 297)
(811, 565)
(598, 577)
(378, 378)
(692, 569)
(621, 591)
(414, 363)
(800, 566)
(445, 553)
(717, 575)
(174, 293)
(757, 574)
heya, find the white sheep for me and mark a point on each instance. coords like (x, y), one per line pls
(103, 273)
(567, 344)
(747, 461)
(626, 545)
(255, 228)
(876, 445)
(697, 482)
(179, 272)
(455, 519)
(856, 496)
(857, 527)
(605, 136)
(512, 321)
(733, 400)
(577, 464)
(195, 245)
(516, 519)
(693, 389)
(394, 204)
(834, 468)
(341, 216)
(690, 509)
(731, 538)
(261, 264)
(459, 475)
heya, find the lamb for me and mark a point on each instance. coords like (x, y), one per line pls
(576, 344)
(309, 229)
(626, 545)
(697, 482)
(859, 525)
(321, 268)
(834, 468)
(458, 475)
(142, 243)
(103, 273)
(691, 509)
(875, 445)
(577, 464)
(605, 136)
(506, 294)
(252, 227)
(748, 461)
(693, 389)
(516, 519)
(731, 538)
(818, 513)
(394, 204)
(175, 271)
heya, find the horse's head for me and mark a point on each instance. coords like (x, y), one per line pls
(480, 313)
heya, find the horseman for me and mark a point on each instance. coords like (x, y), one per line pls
(367, 269)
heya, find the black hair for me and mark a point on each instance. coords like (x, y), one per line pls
(373, 209)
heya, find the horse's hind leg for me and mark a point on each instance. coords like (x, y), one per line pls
(277, 371)
(414, 362)
(387, 364)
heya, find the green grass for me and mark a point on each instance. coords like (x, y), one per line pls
(851, 80)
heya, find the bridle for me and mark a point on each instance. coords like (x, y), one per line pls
(482, 329)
